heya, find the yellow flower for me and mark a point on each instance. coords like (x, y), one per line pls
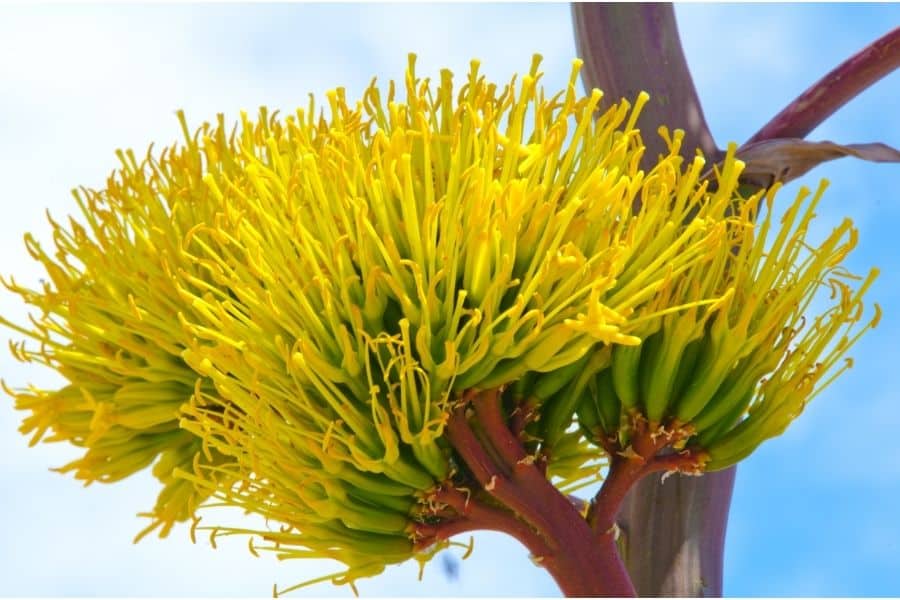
(108, 322)
(722, 378)
(282, 316)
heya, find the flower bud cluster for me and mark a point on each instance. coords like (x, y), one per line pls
(281, 316)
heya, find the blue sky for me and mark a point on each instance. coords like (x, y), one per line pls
(814, 511)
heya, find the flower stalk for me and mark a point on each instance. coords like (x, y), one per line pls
(834, 90)
(652, 449)
(534, 511)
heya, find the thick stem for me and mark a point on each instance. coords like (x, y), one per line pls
(835, 89)
(674, 532)
(632, 47)
(556, 533)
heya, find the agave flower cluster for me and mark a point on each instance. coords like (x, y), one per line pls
(284, 315)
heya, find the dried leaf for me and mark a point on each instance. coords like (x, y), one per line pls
(784, 159)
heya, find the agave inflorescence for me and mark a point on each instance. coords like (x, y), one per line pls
(285, 316)
(752, 354)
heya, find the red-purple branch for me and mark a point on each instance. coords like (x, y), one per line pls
(474, 515)
(648, 451)
(838, 87)
(511, 494)
(514, 496)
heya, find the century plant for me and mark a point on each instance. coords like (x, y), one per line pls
(430, 314)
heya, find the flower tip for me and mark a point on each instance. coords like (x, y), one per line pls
(642, 98)
(877, 318)
(628, 340)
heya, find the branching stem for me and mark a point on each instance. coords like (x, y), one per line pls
(649, 451)
(514, 496)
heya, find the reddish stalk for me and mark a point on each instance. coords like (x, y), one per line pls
(649, 452)
(835, 89)
(531, 509)
(474, 514)
(623, 474)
